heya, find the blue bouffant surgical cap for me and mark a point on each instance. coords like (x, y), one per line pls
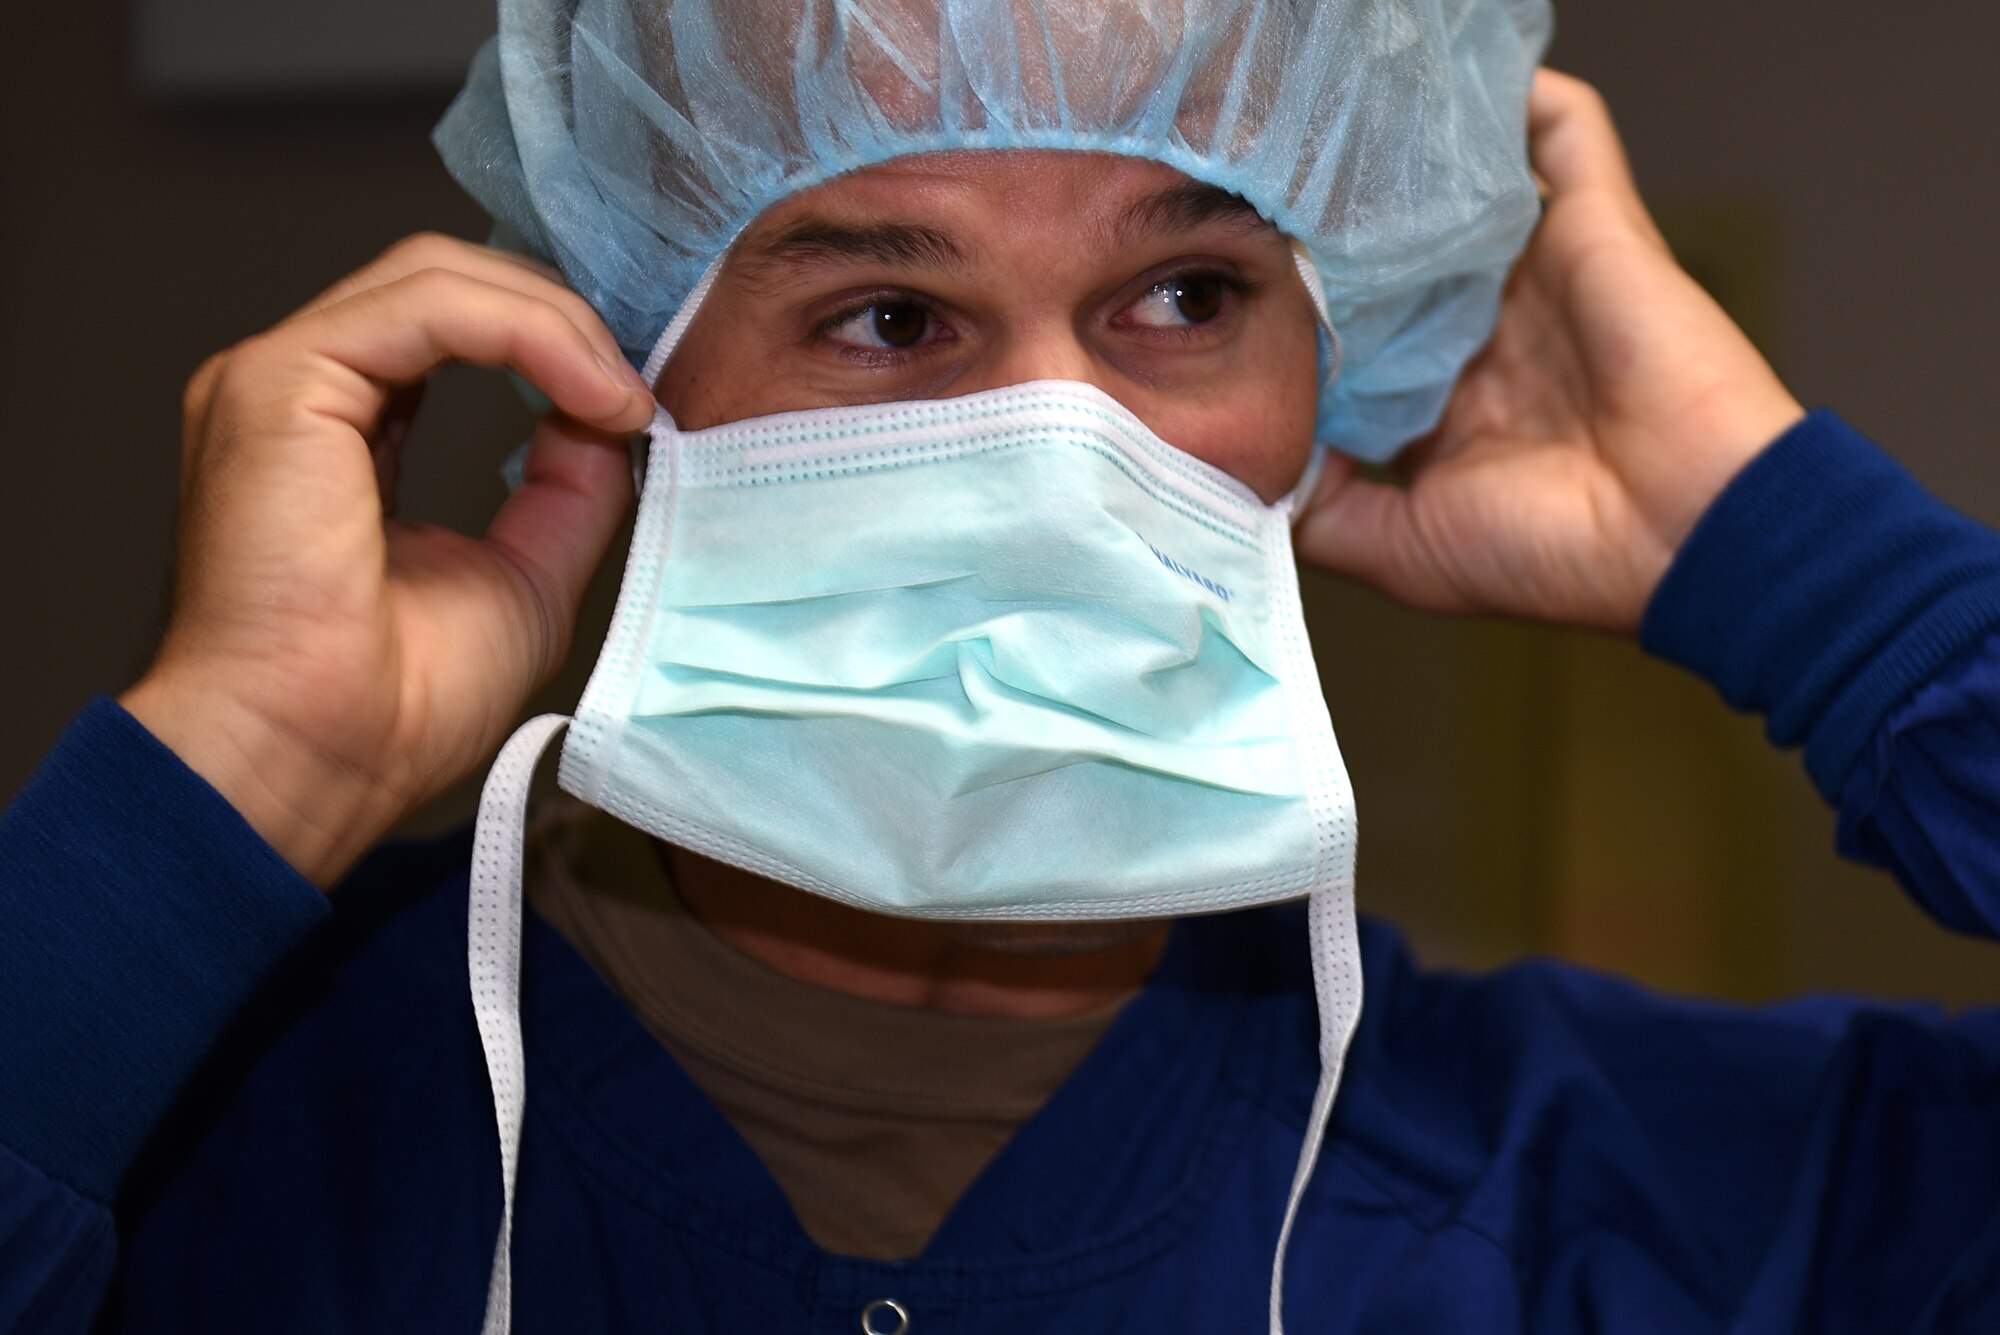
(629, 142)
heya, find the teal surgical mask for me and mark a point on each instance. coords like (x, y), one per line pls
(1008, 656)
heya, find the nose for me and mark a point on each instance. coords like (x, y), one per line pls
(1045, 351)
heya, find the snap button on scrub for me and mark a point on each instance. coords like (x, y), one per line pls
(884, 1316)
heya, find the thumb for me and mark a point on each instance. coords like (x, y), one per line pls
(557, 525)
(1368, 531)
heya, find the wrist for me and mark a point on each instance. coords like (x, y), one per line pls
(315, 810)
(1729, 440)
(1687, 475)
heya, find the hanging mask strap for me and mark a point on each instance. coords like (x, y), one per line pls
(493, 960)
(1332, 943)
(493, 911)
(1336, 957)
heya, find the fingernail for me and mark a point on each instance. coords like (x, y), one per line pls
(625, 377)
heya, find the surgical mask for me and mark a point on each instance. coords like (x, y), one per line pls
(1008, 656)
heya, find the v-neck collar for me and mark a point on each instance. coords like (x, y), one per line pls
(1130, 1148)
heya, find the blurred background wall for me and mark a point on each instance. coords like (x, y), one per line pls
(173, 184)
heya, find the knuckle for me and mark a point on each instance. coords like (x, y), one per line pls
(552, 322)
(201, 385)
(410, 254)
(580, 312)
(230, 380)
(537, 318)
(431, 288)
(420, 250)
(549, 292)
(254, 378)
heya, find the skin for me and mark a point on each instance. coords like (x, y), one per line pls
(329, 668)
(1015, 267)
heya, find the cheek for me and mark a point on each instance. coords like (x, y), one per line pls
(1256, 423)
(687, 387)
(1264, 448)
(703, 385)
(722, 371)
(1258, 430)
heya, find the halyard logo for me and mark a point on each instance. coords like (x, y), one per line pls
(1185, 573)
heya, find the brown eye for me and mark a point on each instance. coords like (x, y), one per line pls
(1198, 299)
(900, 326)
(1179, 302)
(891, 325)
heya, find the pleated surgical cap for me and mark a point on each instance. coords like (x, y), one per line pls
(629, 142)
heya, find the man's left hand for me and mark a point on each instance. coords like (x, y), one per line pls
(1613, 405)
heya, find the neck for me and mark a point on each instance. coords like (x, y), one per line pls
(1018, 970)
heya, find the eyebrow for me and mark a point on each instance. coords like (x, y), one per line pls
(1183, 208)
(903, 245)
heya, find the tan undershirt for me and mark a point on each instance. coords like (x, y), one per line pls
(873, 1118)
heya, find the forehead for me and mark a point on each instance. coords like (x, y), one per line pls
(1088, 199)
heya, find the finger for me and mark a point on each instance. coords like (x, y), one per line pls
(1367, 531)
(428, 250)
(1571, 138)
(557, 525)
(401, 332)
(431, 250)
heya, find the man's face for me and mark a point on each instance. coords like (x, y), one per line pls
(952, 273)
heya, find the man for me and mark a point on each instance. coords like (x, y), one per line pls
(857, 1120)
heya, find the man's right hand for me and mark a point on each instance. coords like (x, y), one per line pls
(329, 668)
